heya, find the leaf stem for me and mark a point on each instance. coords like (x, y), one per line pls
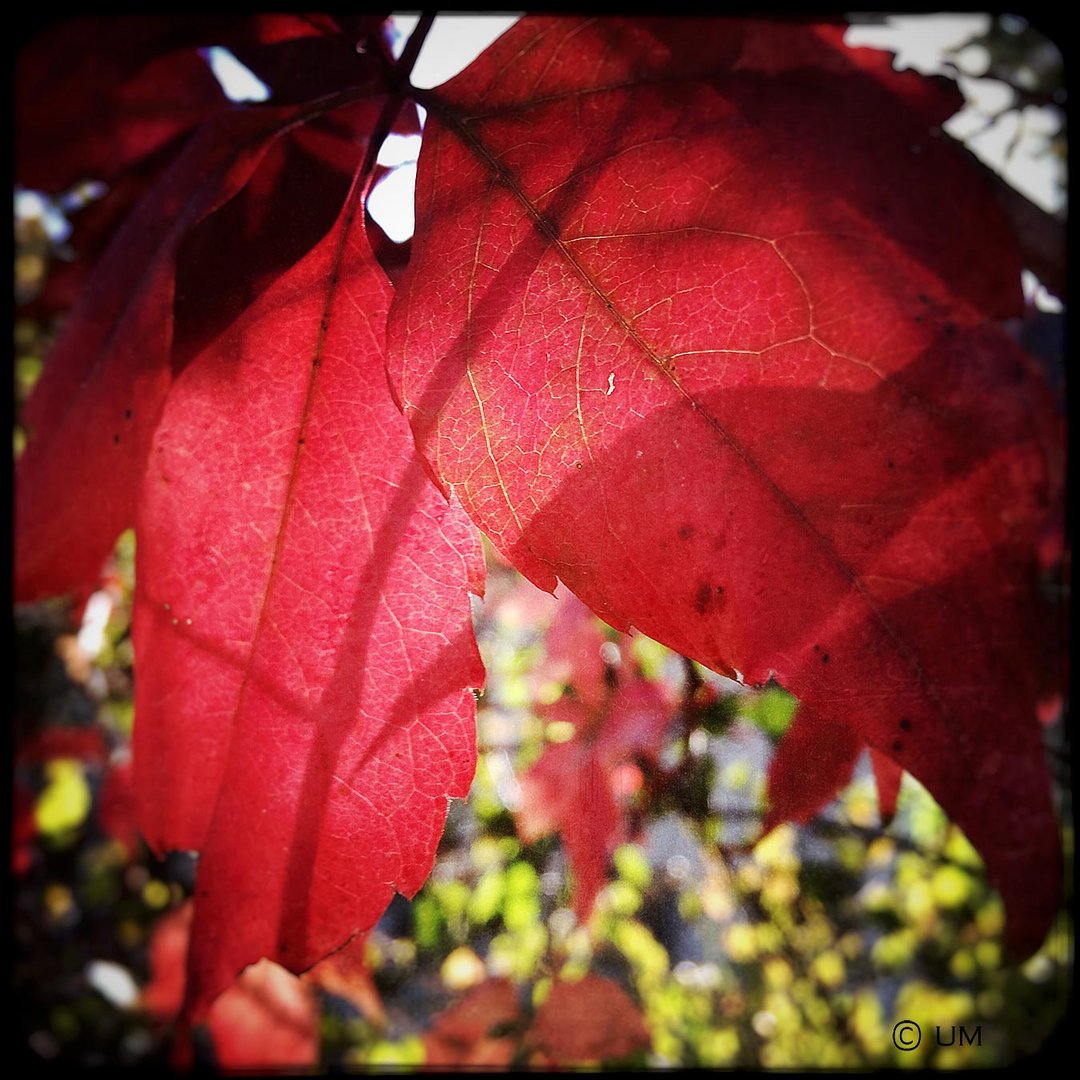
(403, 67)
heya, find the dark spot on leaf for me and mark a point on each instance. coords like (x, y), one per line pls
(950, 329)
(918, 318)
(116, 439)
(577, 465)
(301, 440)
(703, 598)
(127, 414)
(924, 298)
(817, 648)
(686, 531)
(897, 746)
(905, 723)
(890, 463)
(824, 658)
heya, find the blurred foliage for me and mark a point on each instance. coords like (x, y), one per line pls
(802, 948)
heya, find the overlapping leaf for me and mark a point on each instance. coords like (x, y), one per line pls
(719, 301)
(301, 615)
(590, 1020)
(302, 592)
(106, 379)
(574, 787)
(267, 1019)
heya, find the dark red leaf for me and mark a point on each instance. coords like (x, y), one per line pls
(811, 765)
(94, 96)
(304, 699)
(116, 806)
(23, 827)
(887, 775)
(346, 974)
(575, 788)
(86, 744)
(268, 1018)
(288, 205)
(95, 408)
(473, 1031)
(719, 299)
(92, 227)
(97, 95)
(591, 1020)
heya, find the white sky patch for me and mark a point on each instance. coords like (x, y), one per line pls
(1036, 293)
(238, 82)
(95, 618)
(33, 205)
(112, 982)
(399, 150)
(391, 203)
(921, 42)
(1013, 142)
(453, 43)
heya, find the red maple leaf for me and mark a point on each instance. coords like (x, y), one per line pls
(590, 1020)
(707, 292)
(579, 788)
(473, 1032)
(267, 1018)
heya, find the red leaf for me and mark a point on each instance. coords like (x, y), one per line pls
(585, 1021)
(94, 410)
(116, 806)
(304, 627)
(725, 334)
(574, 788)
(472, 1031)
(94, 96)
(86, 744)
(887, 775)
(267, 1019)
(812, 763)
(573, 645)
(23, 827)
(346, 974)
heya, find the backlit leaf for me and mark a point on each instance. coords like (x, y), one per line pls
(722, 305)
